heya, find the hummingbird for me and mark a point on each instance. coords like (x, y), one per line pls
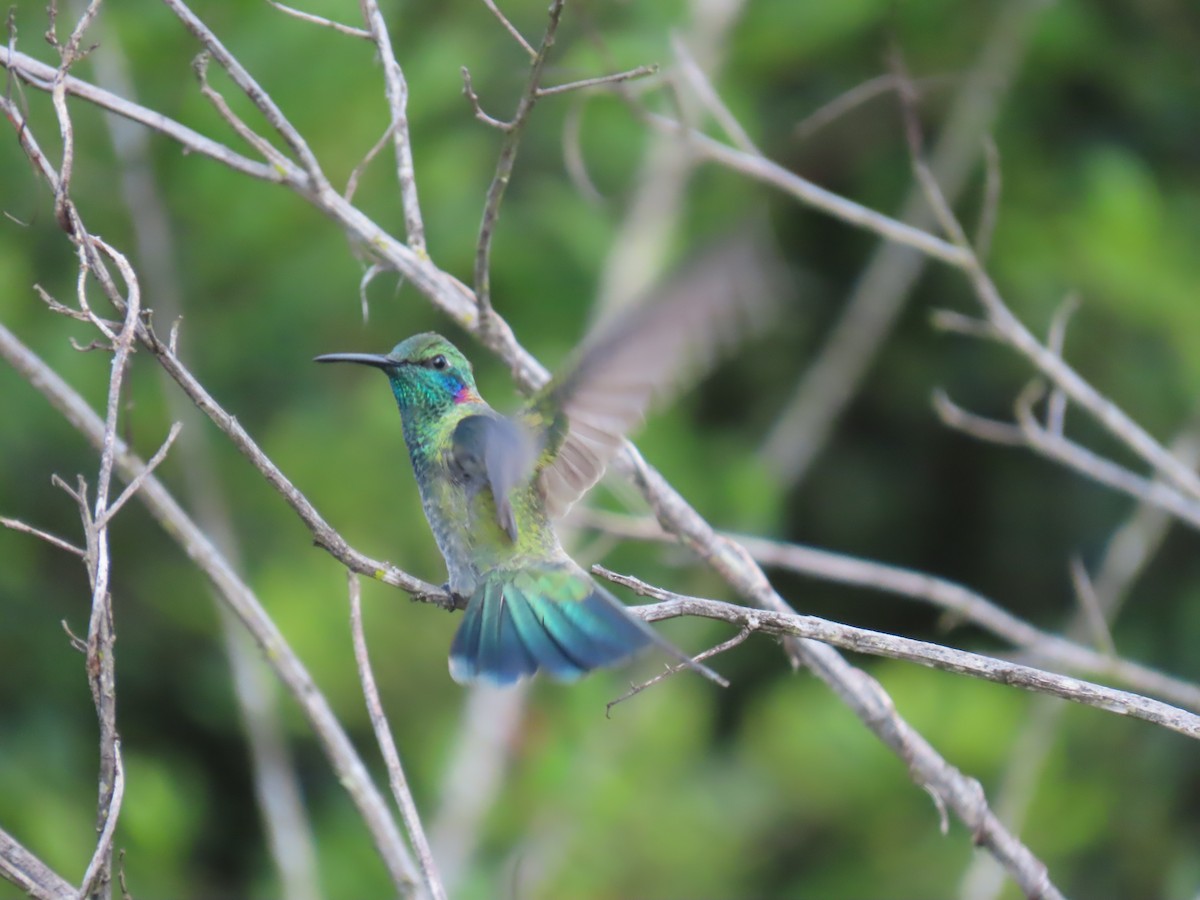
(492, 485)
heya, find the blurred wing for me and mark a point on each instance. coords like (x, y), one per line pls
(496, 452)
(642, 354)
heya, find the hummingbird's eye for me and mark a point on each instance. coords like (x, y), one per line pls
(438, 362)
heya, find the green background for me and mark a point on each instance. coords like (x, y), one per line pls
(771, 788)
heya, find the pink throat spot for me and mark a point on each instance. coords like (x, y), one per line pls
(465, 395)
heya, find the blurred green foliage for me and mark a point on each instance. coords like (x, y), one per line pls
(771, 789)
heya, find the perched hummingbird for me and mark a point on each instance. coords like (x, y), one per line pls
(492, 485)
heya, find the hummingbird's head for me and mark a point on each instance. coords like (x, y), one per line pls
(427, 372)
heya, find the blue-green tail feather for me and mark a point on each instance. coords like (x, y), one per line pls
(552, 619)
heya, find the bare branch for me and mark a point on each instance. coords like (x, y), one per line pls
(936, 656)
(396, 89)
(476, 107)
(17, 525)
(698, 82)
(253, 91)
(1089, 604)
(264, 147)
(961, 602)
(132, 487)
(506, 160)
(322, 21)
(511, 28)
(599, 81)
(39, 75)
(883, 288)
(676, 668)
(97, 874)
(990, 209)
(980, 427)
(855, 97)
(30, 874)
(1056, 408)
(387, 746)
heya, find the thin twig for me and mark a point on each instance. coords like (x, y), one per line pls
(961, 602)
(511, 28)
(322, 21)
(676, 668)
(700, 85)
(132, 487)
(1056, 406)
(253, 91)
(387, 746)
(990, 208)
(506, 160)
(858, 95)
(396, 90)
(30, 874)
(97, 872)
(39, 75)
(18, 525)
(1089, 605)
(885, 285)
(599, 81)
(265, 149)
(357, 173)
(936, 656)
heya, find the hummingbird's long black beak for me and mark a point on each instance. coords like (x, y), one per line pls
(366, 359)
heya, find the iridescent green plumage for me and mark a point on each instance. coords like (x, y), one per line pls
(491, 485)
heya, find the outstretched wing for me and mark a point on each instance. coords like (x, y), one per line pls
(643, 353)
(494, 452)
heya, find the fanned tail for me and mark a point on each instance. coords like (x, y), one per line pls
(554, 619)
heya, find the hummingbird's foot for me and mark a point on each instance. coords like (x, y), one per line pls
(457, 601)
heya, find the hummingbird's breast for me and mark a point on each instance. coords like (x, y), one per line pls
(462, 512)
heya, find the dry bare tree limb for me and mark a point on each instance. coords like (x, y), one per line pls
(856, 97)
(39, 75)
(1031, 434)
(1051, 364)
(959, 601)
(762, 169)
(675, 668)
(861, 693)
(351, 772)
(511, 29)
(832, 379)
(396, 90)
(993, 182)
(387, 746)
(53, 540)
(935, 656)
(599, 81)
(507, 159)
(275, 158)
(1056, 407)
(980, 427)
(276, 782)
(253, 91)
(1131, 548)
(30, 874)
(97, 877)
(151, 464)
(692, 74)
(357, 172)
(348, 30)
